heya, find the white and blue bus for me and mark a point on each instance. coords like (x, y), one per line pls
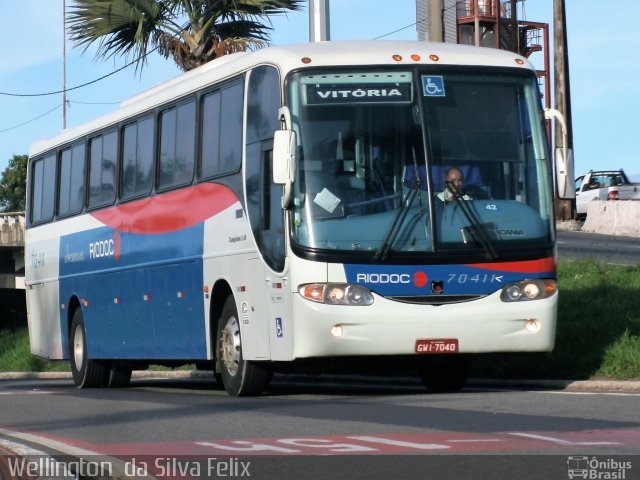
(278, 210)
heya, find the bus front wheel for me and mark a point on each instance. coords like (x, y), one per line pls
(86, 373)
(240, 377)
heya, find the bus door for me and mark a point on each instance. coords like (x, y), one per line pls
(272, 330)
(268, 270)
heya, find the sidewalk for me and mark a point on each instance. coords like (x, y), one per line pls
(595, 385)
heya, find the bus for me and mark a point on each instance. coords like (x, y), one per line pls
(278, 210)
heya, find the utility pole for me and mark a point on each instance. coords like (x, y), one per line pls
(319, 24)
(436, 30)
(64, 64)
(562, 94)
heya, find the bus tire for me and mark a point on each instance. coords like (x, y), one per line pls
(240, 377)
(444, 373)
(86, 373)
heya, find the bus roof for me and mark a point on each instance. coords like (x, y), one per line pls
(287, 58)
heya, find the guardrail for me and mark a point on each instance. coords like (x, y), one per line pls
(12, 229)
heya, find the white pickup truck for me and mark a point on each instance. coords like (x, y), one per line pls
(604, 185)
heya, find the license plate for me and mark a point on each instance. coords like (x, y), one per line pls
(439, 345)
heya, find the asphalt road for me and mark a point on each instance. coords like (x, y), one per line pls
(612, 249)
(314, 430)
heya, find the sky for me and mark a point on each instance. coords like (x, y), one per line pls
(605, 91)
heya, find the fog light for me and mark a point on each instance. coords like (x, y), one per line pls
(531, 325)
(337, 331)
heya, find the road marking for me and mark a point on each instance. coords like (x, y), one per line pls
(19, 462)
(26, 392)
(559, 441)
(611, 394)
(386, 443)
(115, 466)
(476, 440)
(58, 445)
(399, 443)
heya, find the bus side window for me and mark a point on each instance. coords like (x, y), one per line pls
(103, 154)
(137, 158)
(221, 148)
(264, 197)
(71, 191)
(177, 145)
(43, 188)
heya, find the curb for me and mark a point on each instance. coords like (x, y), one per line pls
(597, 385)
(195, 374)
(601, 385)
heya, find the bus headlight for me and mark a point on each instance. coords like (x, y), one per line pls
(528, 290)
(336, 293)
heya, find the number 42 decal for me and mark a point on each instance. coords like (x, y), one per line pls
(492, 207)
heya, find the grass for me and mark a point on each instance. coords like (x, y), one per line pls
(16, 357)
(598, 331)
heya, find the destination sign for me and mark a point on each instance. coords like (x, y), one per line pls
(323, 94)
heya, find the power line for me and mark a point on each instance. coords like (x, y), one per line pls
(8, 94)
(32, 120)
(53, 110)
(94, 103)
(400, 29)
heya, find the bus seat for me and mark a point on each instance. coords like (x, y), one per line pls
(410, 175)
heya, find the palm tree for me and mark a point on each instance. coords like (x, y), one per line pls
(192, 32)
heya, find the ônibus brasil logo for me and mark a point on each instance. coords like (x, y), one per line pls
(105, 248)
(419, 279)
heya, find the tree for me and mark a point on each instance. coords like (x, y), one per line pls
(13, 185)
(192, 32)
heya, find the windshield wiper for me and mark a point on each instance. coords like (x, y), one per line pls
(476, 229)
(398, 220)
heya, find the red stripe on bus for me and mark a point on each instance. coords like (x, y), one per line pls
(169, 211)
(526, 266)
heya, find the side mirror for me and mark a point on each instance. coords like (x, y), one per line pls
(284, 162)
(564, 171)
(565, 174)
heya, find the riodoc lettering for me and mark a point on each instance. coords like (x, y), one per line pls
(383, 278)
(102, 248)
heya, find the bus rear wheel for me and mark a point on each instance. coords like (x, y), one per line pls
(444, 373)
(86, 373)
(240, 377)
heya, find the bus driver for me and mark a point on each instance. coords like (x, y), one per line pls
(453, 181)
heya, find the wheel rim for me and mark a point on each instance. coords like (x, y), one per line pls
(78, 348)
(230, 346)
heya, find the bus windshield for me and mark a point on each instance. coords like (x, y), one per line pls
(376, 148)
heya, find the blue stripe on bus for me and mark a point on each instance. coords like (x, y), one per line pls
(141, 294)
(408, 280)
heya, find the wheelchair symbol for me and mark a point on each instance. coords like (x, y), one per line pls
(433, 86)
(279, 330)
